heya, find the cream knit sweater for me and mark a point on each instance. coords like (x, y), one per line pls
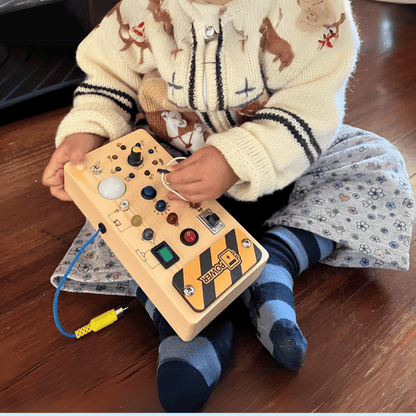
(262, 80)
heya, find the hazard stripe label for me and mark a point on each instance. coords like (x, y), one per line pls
(214, 271)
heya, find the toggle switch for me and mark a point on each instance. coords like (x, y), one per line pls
(213, 219)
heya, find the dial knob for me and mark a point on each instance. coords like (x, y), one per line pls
(135, 157)
(111, 188)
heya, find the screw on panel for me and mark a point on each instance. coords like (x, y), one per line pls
(246, 243)
(188, 290)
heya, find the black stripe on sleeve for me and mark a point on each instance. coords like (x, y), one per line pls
(112, 94)
(306, 128)
(292, 129)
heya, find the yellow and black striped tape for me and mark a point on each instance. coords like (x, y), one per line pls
(215, 270)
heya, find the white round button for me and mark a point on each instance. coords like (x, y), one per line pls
(111, 188)
(209, 32)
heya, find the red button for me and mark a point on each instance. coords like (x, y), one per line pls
(189, 237)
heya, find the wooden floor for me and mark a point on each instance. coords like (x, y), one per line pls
(360, 324)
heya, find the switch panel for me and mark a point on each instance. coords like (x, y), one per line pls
(212, 221)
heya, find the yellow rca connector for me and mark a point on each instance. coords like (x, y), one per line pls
(101, 321)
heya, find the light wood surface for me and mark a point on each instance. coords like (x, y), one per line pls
(360, 324)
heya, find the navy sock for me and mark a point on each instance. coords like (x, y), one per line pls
(188, 371)
(270, 298)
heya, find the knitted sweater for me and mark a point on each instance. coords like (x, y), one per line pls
(262, 80)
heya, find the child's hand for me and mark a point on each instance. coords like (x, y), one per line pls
(72, 149)
(204, 175)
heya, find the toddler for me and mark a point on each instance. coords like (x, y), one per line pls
(253, 91)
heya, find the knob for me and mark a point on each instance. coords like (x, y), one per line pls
(135, 157)
(148, 192)
(111, 188)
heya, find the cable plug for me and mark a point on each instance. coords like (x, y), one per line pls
(101, 321)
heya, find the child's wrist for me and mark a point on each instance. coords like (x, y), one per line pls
(90, 141)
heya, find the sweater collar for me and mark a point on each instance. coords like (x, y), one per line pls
(185, 14)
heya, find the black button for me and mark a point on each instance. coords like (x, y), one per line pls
(213, 219)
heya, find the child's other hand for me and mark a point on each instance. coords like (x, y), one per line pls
(73, 149)
(204, 175)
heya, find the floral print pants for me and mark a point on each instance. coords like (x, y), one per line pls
(359, 195)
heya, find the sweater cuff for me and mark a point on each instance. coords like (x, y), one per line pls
(110, 126)
(249, 162)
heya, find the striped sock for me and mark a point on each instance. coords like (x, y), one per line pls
(270, 298)
(188, 371)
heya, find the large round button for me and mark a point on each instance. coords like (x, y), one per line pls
(111, 188)
(148, 192)
(189, 237)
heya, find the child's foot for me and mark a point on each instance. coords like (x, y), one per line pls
(188, 371)
(273, 315)
(270, 298)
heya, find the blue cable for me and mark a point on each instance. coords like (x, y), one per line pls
(58, 289)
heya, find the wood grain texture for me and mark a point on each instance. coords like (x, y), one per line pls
(360, 324)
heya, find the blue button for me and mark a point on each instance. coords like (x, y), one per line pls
(161, 205)
(148, 192)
